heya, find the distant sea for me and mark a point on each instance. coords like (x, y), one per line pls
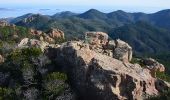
(7, 12)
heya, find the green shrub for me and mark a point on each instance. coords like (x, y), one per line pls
(56, 76)
(7, 94)
(163, 76)
(138, 61)
(35, 52)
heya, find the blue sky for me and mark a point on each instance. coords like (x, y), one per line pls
(29, 6)
(131, 5)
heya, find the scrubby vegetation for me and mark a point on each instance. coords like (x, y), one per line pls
(24, 76)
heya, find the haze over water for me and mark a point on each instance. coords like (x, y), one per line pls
(14, 8)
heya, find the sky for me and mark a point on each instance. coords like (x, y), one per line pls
(147, 6)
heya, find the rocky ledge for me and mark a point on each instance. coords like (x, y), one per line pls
(97, 75)
(100, 69)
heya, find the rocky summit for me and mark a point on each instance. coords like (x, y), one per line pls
(96, 75)
(94, 68)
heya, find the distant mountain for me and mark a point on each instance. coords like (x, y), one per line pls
(32, 20)
(149, 31)
(161, 19)
(143, 37)
(20, 18)
(63, 14)
(93, 14)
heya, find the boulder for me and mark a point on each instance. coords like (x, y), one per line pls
(100, 77)
(122, 51)
(35, 32)
(26, 42)
(56, 33)
(49, 39)
(23, 42)
(34, 42)
(4, 23)
(153, 65)
(96, 38)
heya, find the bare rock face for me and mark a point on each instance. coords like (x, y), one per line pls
(122, 51)
(96, 38)
(153, 66)
(4, 23)
(23, 42)
(35, 32)
(49, 39)
(1, 59)
(56, 33)
(117, 49)
(26, 42)
(100, 77)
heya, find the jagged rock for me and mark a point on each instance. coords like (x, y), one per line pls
(56, 33)
(35, 32)
(1, 59)
(117, 49)
(153, 66)
(49, 39)
(26, 42)
(4, 23)
(111, 45)
(122, 51)
(23, 42)
(34, 42)
(96, 38)
(100, 77)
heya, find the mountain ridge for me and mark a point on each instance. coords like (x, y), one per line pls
(75, 25)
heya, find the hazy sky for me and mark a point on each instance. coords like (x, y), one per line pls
(144, 3)
(138, 4)
(147, 6)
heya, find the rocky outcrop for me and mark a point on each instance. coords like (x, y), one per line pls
(35, 32)
(23, 42)
(48, 39)
(26, 42)
(101, 77)
(96, 38)
(122, 51)
(4, 23)
(153, 66)
(56, 33)
(117, 49)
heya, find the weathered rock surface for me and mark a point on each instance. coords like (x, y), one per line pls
(48, 39)
(117, 49)
(56, 33)
(96, 38)
(23, 42)
(35, 32)
(100, 77)
(122, 51)
(4, 23)
(26, 42)
(153, 65)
